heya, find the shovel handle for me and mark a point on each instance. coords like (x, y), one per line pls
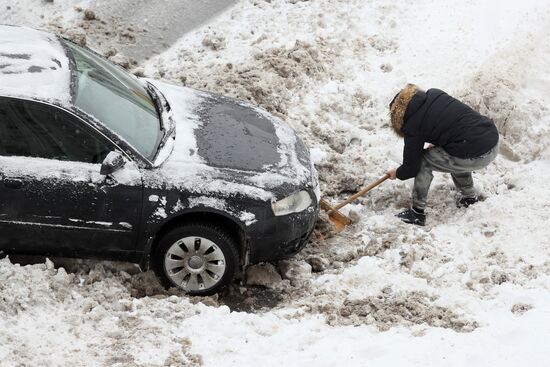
(361, 193)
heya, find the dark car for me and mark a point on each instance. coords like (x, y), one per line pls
(95, 162)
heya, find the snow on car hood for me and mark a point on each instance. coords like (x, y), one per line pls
(222, 145)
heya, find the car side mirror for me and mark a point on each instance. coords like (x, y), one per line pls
(112, 163)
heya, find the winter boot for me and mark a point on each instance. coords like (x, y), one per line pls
(413, 216)
(465, 201)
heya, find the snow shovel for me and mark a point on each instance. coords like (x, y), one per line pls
(339, 220)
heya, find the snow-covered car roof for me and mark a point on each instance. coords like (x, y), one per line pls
(33, 64)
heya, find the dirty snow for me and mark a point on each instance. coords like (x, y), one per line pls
(77, 21)
(471, 288)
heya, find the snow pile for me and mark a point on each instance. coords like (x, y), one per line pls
(508, 88)
(388, 309)
(471, 288)
(330, 68)
(53, 317)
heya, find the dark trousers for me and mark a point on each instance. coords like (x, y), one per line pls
(437, 159)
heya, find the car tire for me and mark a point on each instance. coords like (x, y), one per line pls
(199, 258)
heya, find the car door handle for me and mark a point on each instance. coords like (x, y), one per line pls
(13, 183)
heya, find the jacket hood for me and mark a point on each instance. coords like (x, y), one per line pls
(398, 107)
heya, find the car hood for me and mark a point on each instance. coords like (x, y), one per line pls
(219, 138)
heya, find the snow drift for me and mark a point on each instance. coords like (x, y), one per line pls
(470, 288)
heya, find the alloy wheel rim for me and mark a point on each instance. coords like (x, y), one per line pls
(194, 263)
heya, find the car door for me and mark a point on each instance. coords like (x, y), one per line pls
(53, 199)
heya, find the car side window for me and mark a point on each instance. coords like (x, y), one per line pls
(32, 129)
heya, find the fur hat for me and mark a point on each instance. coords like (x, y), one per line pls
(398, 107)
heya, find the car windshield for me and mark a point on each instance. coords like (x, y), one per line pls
(117, 99)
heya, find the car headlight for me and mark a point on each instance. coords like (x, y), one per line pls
(294, 203)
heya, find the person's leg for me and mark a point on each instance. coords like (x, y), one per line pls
(463, 180)
(437, 159)
(422, 183)
(464, 183)
(434, 159)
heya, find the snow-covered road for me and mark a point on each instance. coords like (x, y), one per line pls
(472, 288)
(137, 29)
(165, 21)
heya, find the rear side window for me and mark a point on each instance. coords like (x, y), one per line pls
(32, 129)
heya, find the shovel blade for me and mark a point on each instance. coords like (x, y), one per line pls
(339, 220)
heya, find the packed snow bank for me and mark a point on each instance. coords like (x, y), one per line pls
(473, 287)
(51, 317)
(330, 69)
(332, 80)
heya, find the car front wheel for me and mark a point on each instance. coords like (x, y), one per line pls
(199, 258)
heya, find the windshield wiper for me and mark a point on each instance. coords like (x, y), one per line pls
(158, 104)
(167, 127)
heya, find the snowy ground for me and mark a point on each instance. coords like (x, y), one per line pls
(473, 287)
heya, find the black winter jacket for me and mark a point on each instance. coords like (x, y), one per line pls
(437, 118)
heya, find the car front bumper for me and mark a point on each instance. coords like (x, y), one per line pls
(281, 237)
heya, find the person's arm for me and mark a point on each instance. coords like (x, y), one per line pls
(412, 157)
